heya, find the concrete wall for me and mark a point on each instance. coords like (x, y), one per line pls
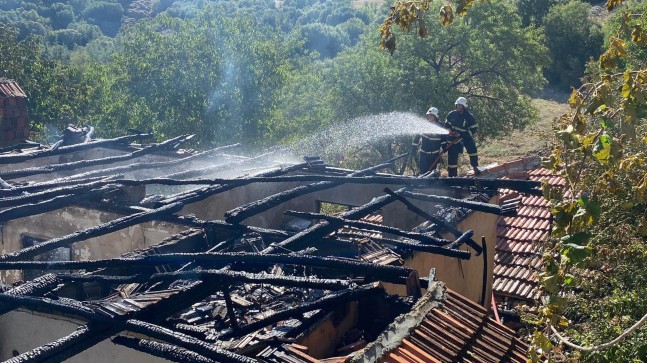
(71, 219)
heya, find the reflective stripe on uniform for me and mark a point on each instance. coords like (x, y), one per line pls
(452, 166)
(458, 128)
(431, 138)
(429, 152)
(474, 154)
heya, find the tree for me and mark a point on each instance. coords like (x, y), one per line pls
(486, 57)
(572, 39)
(534, 11)
(594, 277)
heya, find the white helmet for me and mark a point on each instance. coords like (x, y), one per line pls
(461, 101)
(433, 111)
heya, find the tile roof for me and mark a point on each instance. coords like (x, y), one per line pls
(520, 241)
(451, 328)
(9, 88)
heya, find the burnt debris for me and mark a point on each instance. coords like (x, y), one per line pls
(210, 257)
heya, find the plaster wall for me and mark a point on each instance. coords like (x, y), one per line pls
(72, 219)
(23, 330)
(462, 276)
(395, 214)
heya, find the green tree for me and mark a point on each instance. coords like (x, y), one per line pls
(534, 11)
(487, 57)
(572, 38)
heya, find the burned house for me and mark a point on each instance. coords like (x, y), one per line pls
(125, 250)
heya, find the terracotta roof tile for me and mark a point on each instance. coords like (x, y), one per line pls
(520, 242)
(9, 88)
(459, 332)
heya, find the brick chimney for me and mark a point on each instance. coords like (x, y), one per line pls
(14, 113)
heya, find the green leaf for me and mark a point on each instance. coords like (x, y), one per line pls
(551, 283)
(575, 253)
(579, 238)
(602, 149)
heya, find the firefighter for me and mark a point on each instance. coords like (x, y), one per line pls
(429, 145)
(462, 127)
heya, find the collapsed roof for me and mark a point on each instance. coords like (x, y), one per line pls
(236, 288)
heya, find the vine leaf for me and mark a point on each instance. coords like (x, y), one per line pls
(446, 15)
(612, 4)
(602, 149)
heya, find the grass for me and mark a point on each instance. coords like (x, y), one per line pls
(532, 140)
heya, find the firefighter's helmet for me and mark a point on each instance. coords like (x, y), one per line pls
(461, 101)
(433, 111)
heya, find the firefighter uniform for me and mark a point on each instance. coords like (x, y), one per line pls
(429, 147)
(464, 124)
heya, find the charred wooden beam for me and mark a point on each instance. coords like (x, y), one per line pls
(371, 226)
(436, 220)
(55, 203)
(35, 287)
(521, 185)
(166, 145)
(387, 273)
(477, 206)
(46, 305)
(197, 195)
(231, 312)
(225, 277)
(161, 350)
(24, 145)
(329, 301)
(324, 228)
(103, 327)
(243, 212)
(99, 230)
(449, 251)
(162, 165)
(36, 187)
(77, 337)
(7, 159)
(186, 341)
(51, 193)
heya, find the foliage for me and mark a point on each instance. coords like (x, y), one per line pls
(534, 11)
(594, 279)
(572, 39)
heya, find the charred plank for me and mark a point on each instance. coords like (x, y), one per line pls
(243, 212)
(329, 301)
(123, 140)
(95, 231)
(388, 273)
(226, 277)
(371, 226)
(168, 144)
(477, 206)
(162, 350)
(436, 220)
(185, 341)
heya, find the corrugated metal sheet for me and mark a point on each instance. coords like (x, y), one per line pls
(459, 332)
